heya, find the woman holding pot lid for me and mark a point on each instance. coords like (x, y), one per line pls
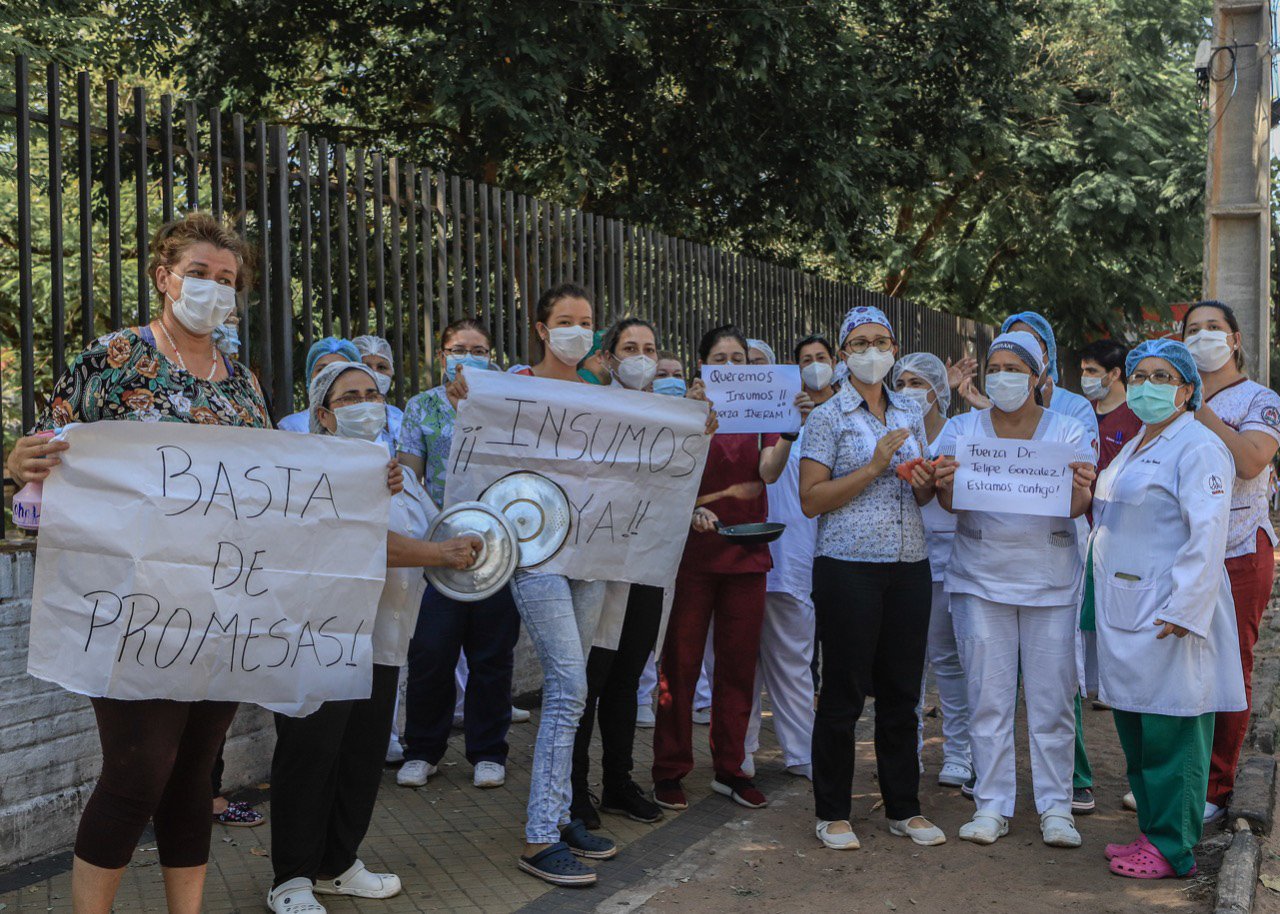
(871, 587)
(1168, 651)
(1006, 619)
(923, 377)
(327, 766)
(1246, 416)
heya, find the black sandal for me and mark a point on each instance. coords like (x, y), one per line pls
(558, 866)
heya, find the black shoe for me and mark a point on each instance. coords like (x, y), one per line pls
(1082, 802)
(584, 807)
(630, 801)
(967, 789)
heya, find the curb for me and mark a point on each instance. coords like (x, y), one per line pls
(1238, 878)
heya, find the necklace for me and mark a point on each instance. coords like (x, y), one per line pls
(213, 367)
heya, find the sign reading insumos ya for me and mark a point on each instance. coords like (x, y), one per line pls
(630, 463)
(196, 562)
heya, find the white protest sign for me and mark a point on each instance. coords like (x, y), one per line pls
(1012, 476)
(630, 463)
(195, 562)
(754, 398)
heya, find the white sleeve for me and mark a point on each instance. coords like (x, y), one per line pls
(1082, 412)
(951, 432)
(1205, 475)
(1077, 434)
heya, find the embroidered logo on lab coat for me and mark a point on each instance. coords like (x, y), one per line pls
(1215, 485)
(1271, 416)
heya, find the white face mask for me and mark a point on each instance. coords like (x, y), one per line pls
(1210, 349)
(816, 375)
(383, 382)
(361, 420)
(636, 371)
(1008, 390)
(921, 397)
(872, 366)
(570, 344)
(1093, 389)
(202, 304)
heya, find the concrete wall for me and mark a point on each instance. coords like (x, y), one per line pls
(49, 753)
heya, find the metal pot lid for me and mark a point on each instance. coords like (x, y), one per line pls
(538, 509)
(498, 556)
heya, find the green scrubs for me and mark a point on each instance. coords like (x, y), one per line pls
(1082, 777)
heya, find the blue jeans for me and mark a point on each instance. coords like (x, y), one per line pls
(561, 617)
(487, 631)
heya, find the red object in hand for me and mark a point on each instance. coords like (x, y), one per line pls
(906, 469)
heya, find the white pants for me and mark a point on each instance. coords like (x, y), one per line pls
(943, 656)
(786, 652)
(993, 639)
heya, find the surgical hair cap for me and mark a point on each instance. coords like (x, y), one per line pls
(374, 345)
(763, 347)
(318, 389)
(1177, 355)
(328, 346)
(863, 314)
(930, 367)
(1042, 329)
(1021, 344)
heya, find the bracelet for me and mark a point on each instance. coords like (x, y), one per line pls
(789, 436)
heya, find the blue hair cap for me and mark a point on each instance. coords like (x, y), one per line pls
(1042, 329)
(1177, 355)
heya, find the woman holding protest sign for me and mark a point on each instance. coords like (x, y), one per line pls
(1168, 651)
(157, 755)
(1246, 416)
(862, 474)
(723, 581)
(486, 631)
(1005, 618)
(327, 765)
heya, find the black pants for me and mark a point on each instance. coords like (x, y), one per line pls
(324, 781)
(612, 680)
(487, 632)
(873, 625)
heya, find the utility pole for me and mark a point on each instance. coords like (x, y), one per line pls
(1237, 229)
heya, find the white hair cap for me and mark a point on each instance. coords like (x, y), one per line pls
(373, 345)
(930, 367)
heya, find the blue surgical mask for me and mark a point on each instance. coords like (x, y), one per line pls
(1152, 403)
(227, 338)
(474, 362)
(672, 387)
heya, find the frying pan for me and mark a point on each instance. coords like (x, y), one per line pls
(750, 534)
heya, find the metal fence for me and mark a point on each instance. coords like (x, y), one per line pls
(350, 242)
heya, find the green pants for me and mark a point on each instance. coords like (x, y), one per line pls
(1168, 766)
(1083, 775)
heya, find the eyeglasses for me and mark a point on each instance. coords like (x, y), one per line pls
(479, 352)
(1157, 377)
(352, 399)
(881, 343)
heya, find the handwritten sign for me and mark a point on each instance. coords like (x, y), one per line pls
(192, 562)
(1010, 476)
(754, 398)
(630, 463)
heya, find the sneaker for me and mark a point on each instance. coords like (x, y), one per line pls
(239, 815)
(630, 801)
(954, 774)
(584, 844)
(646, 719)
(986, 827)
(924, 832)
(670, 795)
(844, 841)
(741, 791)
(395, 752)
(489, 775)
(1058, 829)
(294, 897)
(415, 773)
(749, 765)
(582, 808)
(1129, 802)
(360, 883)
(1082, 802)
(1213, 813)
(968, 787)
(702, 716)
(519, 715)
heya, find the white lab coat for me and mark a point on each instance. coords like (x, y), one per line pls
(1159, 541)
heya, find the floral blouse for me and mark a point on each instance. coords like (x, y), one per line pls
(427, 432)
(124, 376)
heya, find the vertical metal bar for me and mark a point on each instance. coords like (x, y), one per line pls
(380, 249)
(142, 234)
(283, 274)
(26, 306)
(361, 325)
(344, 241)
(499, 321)
(523, 327)
(193, 156)
(411, 226)
(455, 212)
(267, 357)
(536, 282)
(486, 315)
(584, 251)
(113, 204)
(84, 155)
(550, 274)
(326, 254)
(397, 282)
(508, 323)
(469, 200)
(215, 162)
(557, 253)
(166, 156)
(442, 253)
(242, 210)
(57, 291)
(428, 297)
(587, 269)
(304, 238)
